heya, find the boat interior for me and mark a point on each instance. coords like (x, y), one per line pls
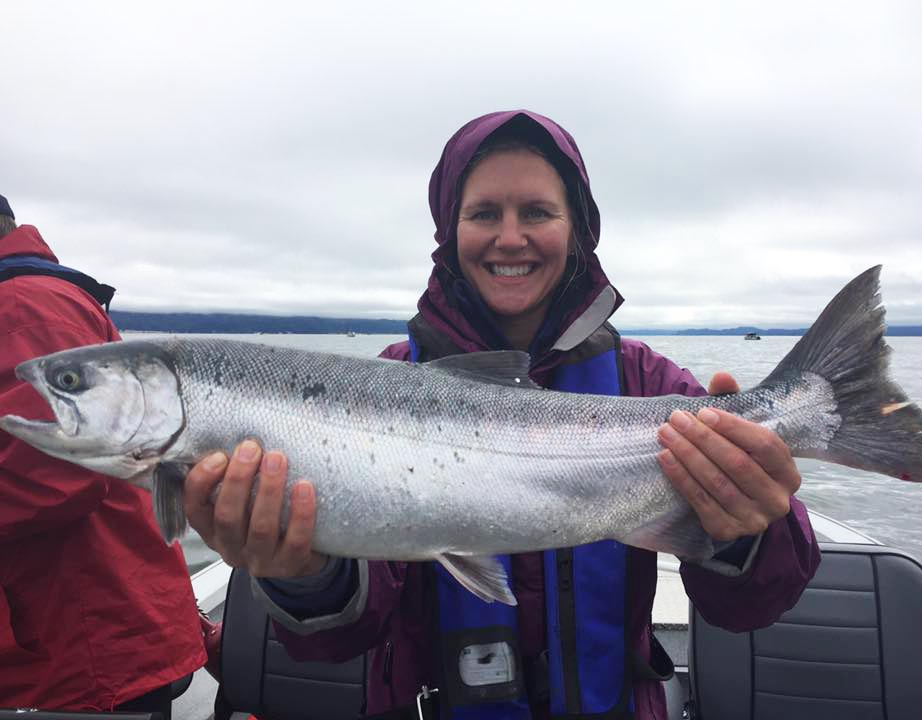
(847, 650)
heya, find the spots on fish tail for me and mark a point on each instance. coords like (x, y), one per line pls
(313, 390)
(410, 468)
(324, 441)
(371, 456)
(458, 458)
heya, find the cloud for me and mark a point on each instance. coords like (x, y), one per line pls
(748, 159)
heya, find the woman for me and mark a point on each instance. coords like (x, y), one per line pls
(515, 268)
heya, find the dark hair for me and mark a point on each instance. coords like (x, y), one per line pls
(7, 225)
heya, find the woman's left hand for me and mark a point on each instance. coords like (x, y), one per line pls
(737, 475)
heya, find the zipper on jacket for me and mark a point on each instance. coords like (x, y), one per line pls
(388, 663)
(387, 672)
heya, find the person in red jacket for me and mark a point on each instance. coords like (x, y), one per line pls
(96, 612)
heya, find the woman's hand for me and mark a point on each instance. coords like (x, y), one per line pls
(737, 475)
(247, 537)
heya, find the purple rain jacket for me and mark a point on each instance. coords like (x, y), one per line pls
(388, 609)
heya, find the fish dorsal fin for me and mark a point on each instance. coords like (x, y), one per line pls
(496, 367)
(483, 575)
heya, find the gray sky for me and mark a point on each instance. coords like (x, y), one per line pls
(748, 158)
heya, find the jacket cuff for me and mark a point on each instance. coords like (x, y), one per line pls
(291, 592)
(734, 560)
(289, 618)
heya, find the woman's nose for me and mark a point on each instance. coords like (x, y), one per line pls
(511, 235)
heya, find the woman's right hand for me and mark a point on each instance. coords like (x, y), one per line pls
(252, 538)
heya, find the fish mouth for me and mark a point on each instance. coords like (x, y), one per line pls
(43, 434)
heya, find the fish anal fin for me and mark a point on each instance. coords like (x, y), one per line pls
(500, 367)
(483, 575)
(678, 532)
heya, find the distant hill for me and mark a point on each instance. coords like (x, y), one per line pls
(904, 330)
(234, 323)
(237, 323)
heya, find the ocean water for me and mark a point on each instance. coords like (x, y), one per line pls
(886, 509)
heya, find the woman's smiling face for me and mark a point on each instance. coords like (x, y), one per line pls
(514, 233)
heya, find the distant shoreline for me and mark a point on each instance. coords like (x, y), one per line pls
(308, 325)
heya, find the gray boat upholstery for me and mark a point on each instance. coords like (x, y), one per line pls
(848, 649)
(259, 677)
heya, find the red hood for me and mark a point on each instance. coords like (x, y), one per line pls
(25, 240)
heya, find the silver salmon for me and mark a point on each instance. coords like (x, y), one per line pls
(462, 458)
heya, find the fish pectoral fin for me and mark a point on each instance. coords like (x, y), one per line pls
(483, 575)
(499, 367)
(167, 488)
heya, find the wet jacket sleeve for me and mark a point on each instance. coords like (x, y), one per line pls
(786, 558)
(37, 492)
(751, 583)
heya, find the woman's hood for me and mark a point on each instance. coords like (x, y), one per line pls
(439, 304)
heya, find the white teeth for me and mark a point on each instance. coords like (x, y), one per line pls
(511, 270)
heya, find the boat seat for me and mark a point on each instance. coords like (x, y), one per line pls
(848, 649)
(259, 677)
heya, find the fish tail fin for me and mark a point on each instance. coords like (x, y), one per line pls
(167, 488)
(880, 429)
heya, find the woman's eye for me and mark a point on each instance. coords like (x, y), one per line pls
(534, 213)
(483, 215)
(68, 380)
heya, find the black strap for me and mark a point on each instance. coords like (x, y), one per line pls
(101, 293)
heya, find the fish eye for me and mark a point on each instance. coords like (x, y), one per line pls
(68, 380)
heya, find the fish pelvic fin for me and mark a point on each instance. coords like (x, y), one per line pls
(483, 575)
(880, 428)
(167, 489)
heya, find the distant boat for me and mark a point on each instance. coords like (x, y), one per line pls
(350, 334)
(752, 336)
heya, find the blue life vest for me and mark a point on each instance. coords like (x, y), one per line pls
(588, 667)
(18, 265)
